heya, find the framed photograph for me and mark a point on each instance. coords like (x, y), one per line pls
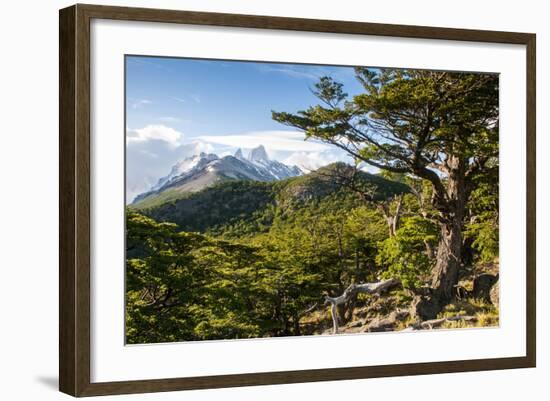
(250, 200)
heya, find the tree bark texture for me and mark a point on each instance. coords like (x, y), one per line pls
(449, 250)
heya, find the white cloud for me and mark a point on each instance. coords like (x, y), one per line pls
(154, 132)
(170, 119)
(290, 141)
(309, 161)
(151, 152)
(138, 103)
(177, 99)
(194, 148)
(294, 72)
(195, 98)
(313, 73)
(368, 168)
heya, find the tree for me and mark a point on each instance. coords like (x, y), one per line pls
(162, 281)
(187, 286)
(441, 127)
(405, 255)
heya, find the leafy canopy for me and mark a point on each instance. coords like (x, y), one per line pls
(433, 125)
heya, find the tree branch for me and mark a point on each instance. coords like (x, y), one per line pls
(352, 291)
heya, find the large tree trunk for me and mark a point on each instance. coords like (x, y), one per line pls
(449, 250)
(444, 274)
(449, 255)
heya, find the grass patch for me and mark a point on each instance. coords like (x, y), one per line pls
(486, 314)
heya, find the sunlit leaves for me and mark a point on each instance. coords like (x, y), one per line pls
(404, 254)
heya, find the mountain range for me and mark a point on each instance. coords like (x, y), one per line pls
(242, 207)
(205, 170)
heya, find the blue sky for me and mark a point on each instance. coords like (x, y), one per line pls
(176, 108)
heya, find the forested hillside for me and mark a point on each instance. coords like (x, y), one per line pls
(248, 259)
(234, 208)
(337, 250)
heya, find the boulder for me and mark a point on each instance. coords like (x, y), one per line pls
(386, 323)
(424, 308)
(482, 286)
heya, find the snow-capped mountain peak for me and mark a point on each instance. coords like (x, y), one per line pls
(203, 170)
(239, 154)
(184, 166)
(258, 154)
(259, 159)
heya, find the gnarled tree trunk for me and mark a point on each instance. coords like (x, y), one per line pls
(449, 250)
(445, 273)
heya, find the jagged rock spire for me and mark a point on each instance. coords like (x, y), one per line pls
(257, 154)
(239, 154)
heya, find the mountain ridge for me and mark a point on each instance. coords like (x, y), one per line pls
(253, 205)
(198, 172)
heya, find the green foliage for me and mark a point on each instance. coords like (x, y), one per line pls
(247, 259)
(191, 286)
(428, 127)
(405, 120)
(244, 205)
(237, 209)
(255, 274)
(404, 254)
(159, 263)
(485, 231)
(483, 225)
(186, 286)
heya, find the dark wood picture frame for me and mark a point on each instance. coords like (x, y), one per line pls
(74, 203)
